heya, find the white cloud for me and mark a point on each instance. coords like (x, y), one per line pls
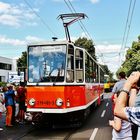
(108, 48)
(108, 54)
(10, 20)
(16, 15)
(33, 39)
(94, 1)
(10, 41)
(4, 40)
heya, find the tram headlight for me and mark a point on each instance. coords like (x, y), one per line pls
(59, 102)
(32, 102)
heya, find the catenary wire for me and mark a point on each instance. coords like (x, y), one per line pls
(71, 8)
(42, 20)
(127, 27)
(128, 15)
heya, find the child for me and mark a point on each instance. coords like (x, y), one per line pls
(121, 128)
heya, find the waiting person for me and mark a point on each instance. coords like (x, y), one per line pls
(131, 114)
(14, 105)
(1, 107)
(133, 102)
(118, 86)
(9, 104)
(21, 91)
(121, 128)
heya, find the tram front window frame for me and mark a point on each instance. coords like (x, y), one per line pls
(46, 63)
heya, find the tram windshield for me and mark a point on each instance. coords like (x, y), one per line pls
(46, 63)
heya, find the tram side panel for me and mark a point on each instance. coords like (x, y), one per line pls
(94, 94)
(46, 98)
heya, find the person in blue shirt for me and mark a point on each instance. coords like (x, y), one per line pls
(131, 114)
(117, 87)
(9, 104)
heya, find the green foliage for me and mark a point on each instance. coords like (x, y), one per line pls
(2, 84)
(108, 72)
(87, 44)
(132, 61)
(139, 38)
(22, 62)
(105, 68)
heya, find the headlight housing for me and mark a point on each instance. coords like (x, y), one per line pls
(59, 102)
(32, 102)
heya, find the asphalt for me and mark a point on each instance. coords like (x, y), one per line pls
(15, 132)
(18, 131)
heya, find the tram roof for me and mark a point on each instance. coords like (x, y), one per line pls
(49, 43)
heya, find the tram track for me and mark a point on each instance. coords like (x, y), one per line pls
(69, 131)
(25, 134)
(60, 130)
(70, 134)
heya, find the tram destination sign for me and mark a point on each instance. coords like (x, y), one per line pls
(52, 49)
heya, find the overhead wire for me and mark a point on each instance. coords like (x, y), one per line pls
(80, 22)
(72, 9)
(129, 9)
(127, 28)
(130, 22)
(41, 19)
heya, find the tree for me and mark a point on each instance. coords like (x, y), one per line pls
(87, 44)
(22, 62)
(139, 38)
(108, 72)
(132, 59)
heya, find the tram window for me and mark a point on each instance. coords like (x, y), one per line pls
(70, 50)
(91, 74)
(97, 71)
(91, 70)
(87, 72)
(79, 65)
(101, 76)
(95, 74)
(46, 63)
(70, 64)
(70, 76)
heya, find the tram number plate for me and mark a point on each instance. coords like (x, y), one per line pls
(45, 102)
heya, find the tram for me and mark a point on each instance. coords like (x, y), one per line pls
(63, 80)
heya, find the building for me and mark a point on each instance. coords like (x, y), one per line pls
(6, 65)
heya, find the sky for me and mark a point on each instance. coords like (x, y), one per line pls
(25, 21)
